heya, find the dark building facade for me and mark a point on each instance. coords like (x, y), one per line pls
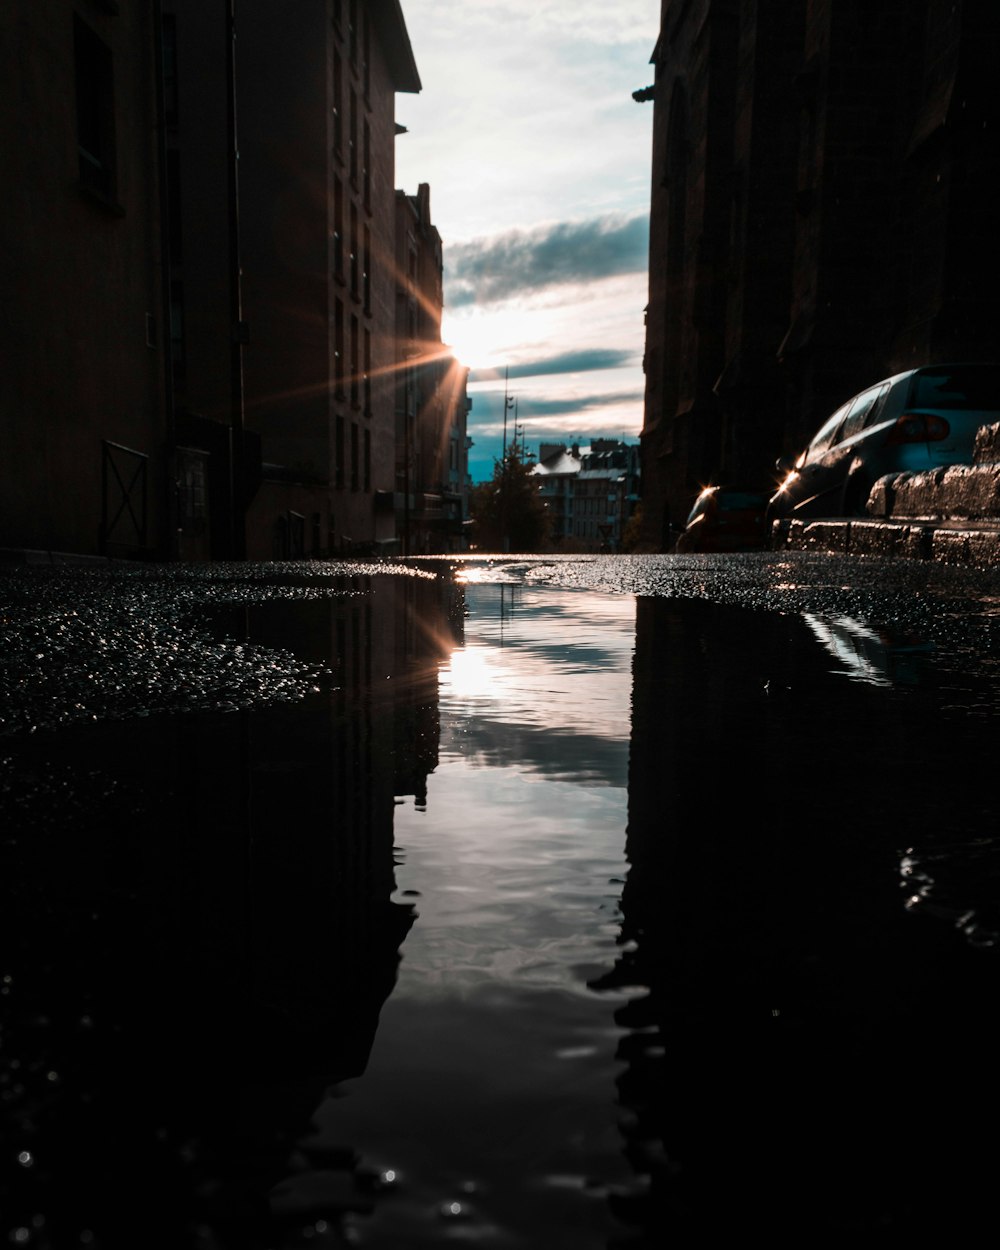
(82, 407)
(819, 219)
(314, 107)
(199, 286)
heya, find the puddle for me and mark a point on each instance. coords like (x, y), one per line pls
(536, 917)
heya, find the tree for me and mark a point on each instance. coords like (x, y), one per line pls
(508, 512)
(632, 533)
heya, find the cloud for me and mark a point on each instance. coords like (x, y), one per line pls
(552, 22)
(560, 407)
(567, 362)
(503, 266)
(487, 406)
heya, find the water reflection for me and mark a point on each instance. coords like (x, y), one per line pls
(827, 1055)
(877, 656)
(641, 860)
(200, 929)
(540, 684)
(489, 1091)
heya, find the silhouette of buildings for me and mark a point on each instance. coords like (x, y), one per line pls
(819, 219)
(200, 341)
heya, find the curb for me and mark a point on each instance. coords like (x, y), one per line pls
(917, 538)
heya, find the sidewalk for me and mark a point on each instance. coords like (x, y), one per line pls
(950, 540)
(949, 514)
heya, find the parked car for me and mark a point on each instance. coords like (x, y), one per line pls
(917, 420)
(725, 519)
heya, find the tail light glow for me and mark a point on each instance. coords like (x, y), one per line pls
(918, 427)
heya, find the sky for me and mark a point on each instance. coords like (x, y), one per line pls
(538, 161)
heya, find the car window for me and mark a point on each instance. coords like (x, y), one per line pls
(863, 411)
(825, 436)
(740, 501)
(958, 387)
(875, 412)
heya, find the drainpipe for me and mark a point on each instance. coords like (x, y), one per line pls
(170, 543)
(238, 328)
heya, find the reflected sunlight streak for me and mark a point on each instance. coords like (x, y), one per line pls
(469, 674)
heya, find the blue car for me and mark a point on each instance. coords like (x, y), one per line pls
(915, 421)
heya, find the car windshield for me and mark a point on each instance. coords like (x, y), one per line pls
(961, 386)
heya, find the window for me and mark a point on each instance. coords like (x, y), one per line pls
(169, 44)
(354, 455)
(353, 138)
(368, 460)
(366, 47)
(368, 373)
(177, 327)
(366, 161)
(366, 273)
(355, 364)
(95, 111)
(338, 349)
(175, 234)
(965, 386)
(355, 258)
(338, 95)
(826, 436)
(338, 452)
(863, 412)
(338, 229)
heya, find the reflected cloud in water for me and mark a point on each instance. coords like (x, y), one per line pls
(514, 864)
(514, 695)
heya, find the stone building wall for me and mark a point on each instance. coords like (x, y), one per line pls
(82, 412)
(819, 219)
(315, 115)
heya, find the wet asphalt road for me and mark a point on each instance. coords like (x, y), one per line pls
(85, 643)
(812, 905)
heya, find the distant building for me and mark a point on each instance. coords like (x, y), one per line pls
(557, 468)
(83, 413)
(590, 494)
(432, 405)
(819, 219)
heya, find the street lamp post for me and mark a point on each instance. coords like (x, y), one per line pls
(508, 403)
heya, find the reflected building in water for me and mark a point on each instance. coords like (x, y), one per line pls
(183, 984)
(797, 1024)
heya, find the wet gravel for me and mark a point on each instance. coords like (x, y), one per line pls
(905, 593)
(87, 644)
